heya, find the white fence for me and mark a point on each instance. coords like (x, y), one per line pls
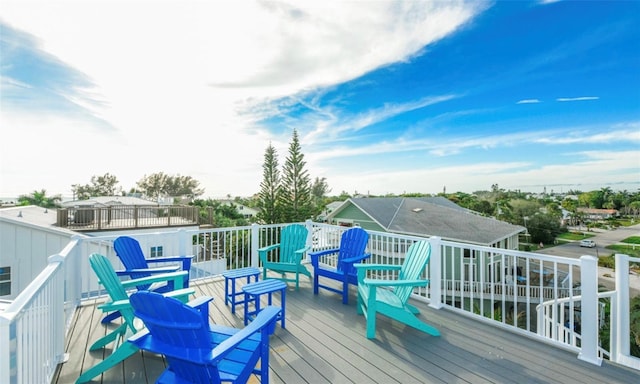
(539, 296)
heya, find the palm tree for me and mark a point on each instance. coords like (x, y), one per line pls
(40, 199)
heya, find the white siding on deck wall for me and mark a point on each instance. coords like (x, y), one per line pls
(25, 249)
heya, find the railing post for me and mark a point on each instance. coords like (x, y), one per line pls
(255, 244)
(435, 270)
(589, 306)
(309, 243)
(5, 351)
(620, 324)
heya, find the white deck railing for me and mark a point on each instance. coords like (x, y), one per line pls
(499, 286)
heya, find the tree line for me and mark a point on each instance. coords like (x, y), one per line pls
(287, 194)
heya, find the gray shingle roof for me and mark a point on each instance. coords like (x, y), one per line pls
(435, 216)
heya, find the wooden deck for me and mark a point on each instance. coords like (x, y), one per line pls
(324, 342)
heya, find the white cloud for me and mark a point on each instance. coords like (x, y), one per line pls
(584, 98)
(183, 83)
(529, 101)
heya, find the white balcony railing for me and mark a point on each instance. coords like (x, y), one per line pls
(539, 296)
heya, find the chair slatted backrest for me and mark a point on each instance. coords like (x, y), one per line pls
(353, 243)
(415, 262)
(292, 238)
(130, 253)
(109, 279)
(181, 327)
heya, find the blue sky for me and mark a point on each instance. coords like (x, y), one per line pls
(387, 97)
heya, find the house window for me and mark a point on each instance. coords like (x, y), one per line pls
(469, 266)
(5, 281)
(156, 251)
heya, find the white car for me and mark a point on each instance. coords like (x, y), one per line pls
(587, 243)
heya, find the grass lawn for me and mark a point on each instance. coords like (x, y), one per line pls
(632, 240)
(574, 236)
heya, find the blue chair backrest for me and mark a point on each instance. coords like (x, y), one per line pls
(178, 326)
(353, 243)
(129, 251)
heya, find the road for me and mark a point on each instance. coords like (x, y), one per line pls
(602, 239)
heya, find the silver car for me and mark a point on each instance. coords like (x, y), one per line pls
(587, 243)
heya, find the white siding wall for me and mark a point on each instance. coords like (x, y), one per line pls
(25, 249)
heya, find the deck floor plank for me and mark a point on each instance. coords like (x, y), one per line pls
(324, 342)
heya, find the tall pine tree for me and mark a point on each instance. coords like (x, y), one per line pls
(269, 213)
(294, 197)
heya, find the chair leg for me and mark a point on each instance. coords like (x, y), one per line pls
(421, 326)
(121, 330)
(345, 292)
(126, 349)
(359, 304)
(316, 283)
(413, 309)
(371, 323)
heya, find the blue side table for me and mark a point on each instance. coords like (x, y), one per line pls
(230, 294)
(253, 291)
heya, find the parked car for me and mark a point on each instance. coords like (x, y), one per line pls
(587, 243)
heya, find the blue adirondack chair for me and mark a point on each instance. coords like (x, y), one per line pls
(199, 352)
(390, 297)
(137, 266)
(119, 300)
(353, 243)
(286, 256)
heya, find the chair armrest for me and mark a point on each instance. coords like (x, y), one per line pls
(363, 268)
(114, 305)
(378, 267)
(148, 270)
(124, 303)
(395, 283)
(263, 322)
(176, 277)
(169, 259)
(185, 260)
(299, 254)
(315, 256)
(269, 248)
(352, 260)
(262, 252)
(201, 303)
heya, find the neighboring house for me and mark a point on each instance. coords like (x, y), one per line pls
(598, 214)
(29, 232)
(436, 216)
(328, 209)
(108, 201)
(246, 212)
(426, 216)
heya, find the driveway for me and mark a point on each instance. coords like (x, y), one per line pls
(602, 239)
